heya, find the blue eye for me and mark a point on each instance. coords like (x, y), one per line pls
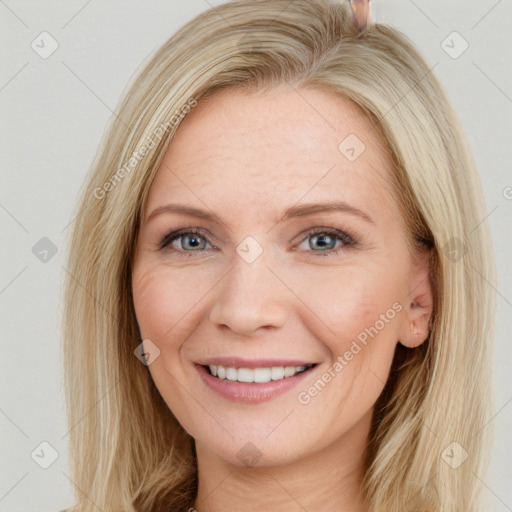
(190, 239)
(194, 240)
(326, 240)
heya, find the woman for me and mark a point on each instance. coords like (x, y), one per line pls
(277, 277)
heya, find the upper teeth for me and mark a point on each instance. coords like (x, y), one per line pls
(255, 374)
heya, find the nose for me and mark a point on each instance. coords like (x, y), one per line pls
(250, 297)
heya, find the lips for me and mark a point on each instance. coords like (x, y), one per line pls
(252, 381)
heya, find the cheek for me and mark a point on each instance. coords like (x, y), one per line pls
(350, 300)
(166, 303)
(360, 313)
(166, 300)
(360, 317)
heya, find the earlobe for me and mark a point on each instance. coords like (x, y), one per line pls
(418, 313)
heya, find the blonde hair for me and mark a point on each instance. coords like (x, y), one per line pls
(126, 449)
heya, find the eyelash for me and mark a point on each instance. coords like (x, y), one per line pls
(347, 239)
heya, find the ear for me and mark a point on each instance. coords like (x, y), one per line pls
(420, 302)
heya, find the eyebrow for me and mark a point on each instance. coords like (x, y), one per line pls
(300, 210)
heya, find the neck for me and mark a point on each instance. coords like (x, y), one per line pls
(328, 480)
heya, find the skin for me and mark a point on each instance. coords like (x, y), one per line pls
(247, 156)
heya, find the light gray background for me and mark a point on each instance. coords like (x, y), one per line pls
(54, 112)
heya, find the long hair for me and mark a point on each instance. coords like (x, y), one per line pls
(429, 438)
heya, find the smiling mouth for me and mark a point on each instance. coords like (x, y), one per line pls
(255, 375)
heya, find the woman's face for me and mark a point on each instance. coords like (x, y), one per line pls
(269, 280)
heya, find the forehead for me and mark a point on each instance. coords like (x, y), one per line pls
(274, 148)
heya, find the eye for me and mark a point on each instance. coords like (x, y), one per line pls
(194, 240)
(190, 240)
(326, 239)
